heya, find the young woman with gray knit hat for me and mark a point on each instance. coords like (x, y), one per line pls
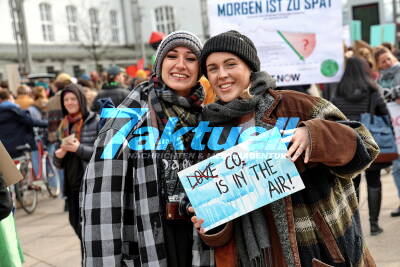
(318, 226)
(134, 209)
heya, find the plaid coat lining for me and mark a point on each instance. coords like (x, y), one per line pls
(121, 220)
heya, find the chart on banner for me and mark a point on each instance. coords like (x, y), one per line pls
(298, 41)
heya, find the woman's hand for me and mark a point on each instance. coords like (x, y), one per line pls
(60, 153)
(300, 143)
(71, 146)
(196, 221)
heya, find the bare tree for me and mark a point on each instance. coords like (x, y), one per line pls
(96, 26)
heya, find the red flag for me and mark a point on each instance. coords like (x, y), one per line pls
(156, 37)
(140, 64)
(131, 70)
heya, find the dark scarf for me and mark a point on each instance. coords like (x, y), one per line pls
(167, 104)
(251, 230)
(221, 112)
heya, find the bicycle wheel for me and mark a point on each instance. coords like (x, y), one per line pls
(25, 192)
(51, 179)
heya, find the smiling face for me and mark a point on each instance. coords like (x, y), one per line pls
(228, 75)
(180, 70)
(386, 61)
(71, 103)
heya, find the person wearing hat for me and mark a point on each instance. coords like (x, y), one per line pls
(76, 135)
(317, 226)
(112, 89)
(134, 209)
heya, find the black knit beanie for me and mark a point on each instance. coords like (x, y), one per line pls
(232, 42)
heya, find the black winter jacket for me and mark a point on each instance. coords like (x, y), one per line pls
(113, 91)
(354, 108)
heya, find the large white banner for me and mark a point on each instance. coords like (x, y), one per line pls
(298, 41)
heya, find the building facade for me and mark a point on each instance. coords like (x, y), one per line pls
(371, 12)
(77, 36)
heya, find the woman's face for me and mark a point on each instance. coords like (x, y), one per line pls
(228, 75)
(71, 103)
(180, 70)
(385, 61)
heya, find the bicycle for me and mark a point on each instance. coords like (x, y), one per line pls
(46, 170)
(26, 191)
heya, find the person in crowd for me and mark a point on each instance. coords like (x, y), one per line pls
(113, 88)
(11, 251)
(389, 73)
(54, 116)
(298, 230)
(86, 83)
(96, 79)
(393, 49)
(6, 204)
(76, 135)
(356, 91)
(37, 111)
(39, 106)
(24, 99)
(367, 55)
(389, 80)
(16, 125)
(128, 196)
(90, 94)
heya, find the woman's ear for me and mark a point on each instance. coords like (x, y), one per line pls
(251, 76)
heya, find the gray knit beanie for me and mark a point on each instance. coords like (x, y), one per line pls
(175, 39)
(232, 42)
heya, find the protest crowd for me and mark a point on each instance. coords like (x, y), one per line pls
(129, 210)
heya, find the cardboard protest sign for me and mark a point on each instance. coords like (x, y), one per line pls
(241, 179)
(298, 41)
(394, 110)
(8, 170)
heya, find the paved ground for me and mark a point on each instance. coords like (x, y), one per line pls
(48, 240)
(46, 236)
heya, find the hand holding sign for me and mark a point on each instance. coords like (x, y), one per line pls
(300, 143)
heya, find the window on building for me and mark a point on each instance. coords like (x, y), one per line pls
(114, 26)
(94, 24)
(72, 22)
(165, 19)
(50, 69)
(47, 22)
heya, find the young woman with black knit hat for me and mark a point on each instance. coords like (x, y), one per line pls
(318, 226)
(134, 212)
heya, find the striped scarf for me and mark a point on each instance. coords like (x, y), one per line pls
(71, 124)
